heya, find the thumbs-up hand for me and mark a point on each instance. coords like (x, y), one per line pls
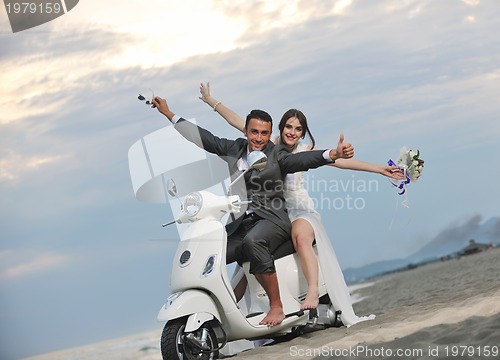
(343, 151)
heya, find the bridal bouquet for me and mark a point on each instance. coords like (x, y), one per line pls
(411, 164)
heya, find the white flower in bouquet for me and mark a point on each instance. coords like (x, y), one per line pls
(411, 162)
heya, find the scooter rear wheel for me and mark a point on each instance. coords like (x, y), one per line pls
(173, 345)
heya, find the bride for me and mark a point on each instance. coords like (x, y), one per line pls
(306, 221)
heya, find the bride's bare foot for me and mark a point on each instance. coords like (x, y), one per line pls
(311, 301)
(274, 317)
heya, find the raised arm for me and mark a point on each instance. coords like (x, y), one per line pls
(345, 160)
(229, 115)
(193, 133)
(392, 172)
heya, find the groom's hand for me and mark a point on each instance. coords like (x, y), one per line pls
(162, 106)
(343, 150)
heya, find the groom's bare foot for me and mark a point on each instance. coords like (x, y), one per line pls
(311, 301)
(274, 317)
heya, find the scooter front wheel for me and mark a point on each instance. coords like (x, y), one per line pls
(175, 344)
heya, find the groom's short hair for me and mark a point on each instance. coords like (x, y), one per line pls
(259, 114)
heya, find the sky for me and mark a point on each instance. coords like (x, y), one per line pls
(81, 260)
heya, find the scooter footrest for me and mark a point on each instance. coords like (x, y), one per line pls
(313, 313)
(296, 313)
(253, 314)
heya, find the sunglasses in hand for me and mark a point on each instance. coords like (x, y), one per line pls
(147, 100)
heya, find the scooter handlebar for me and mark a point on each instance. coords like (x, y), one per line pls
(169, 223)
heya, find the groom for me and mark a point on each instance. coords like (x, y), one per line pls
(265, 225)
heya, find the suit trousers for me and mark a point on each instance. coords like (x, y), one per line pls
(255, 240)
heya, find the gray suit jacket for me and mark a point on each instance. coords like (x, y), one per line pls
(264, 188)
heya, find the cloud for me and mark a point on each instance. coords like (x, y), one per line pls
(471, 2)
(262, 18)
(374, 80)
(41, 70)
(14, 166)
(340, 7)
(21, 263)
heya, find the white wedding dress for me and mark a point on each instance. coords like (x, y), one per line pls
(301, 206)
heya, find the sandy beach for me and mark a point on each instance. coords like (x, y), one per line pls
(442, 310)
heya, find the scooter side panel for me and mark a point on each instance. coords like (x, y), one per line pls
(292, 285)
(201, 240)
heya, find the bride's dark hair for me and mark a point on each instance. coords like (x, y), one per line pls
(303, 122)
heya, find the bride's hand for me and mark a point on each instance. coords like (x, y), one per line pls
(392, 172)
(205, 92)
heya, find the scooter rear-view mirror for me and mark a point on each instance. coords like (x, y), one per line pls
(256, 160)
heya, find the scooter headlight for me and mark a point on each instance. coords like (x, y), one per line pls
(193, 203)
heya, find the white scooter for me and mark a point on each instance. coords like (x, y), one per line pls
(202, 313)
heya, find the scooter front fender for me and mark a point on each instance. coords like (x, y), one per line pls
(187, 303)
